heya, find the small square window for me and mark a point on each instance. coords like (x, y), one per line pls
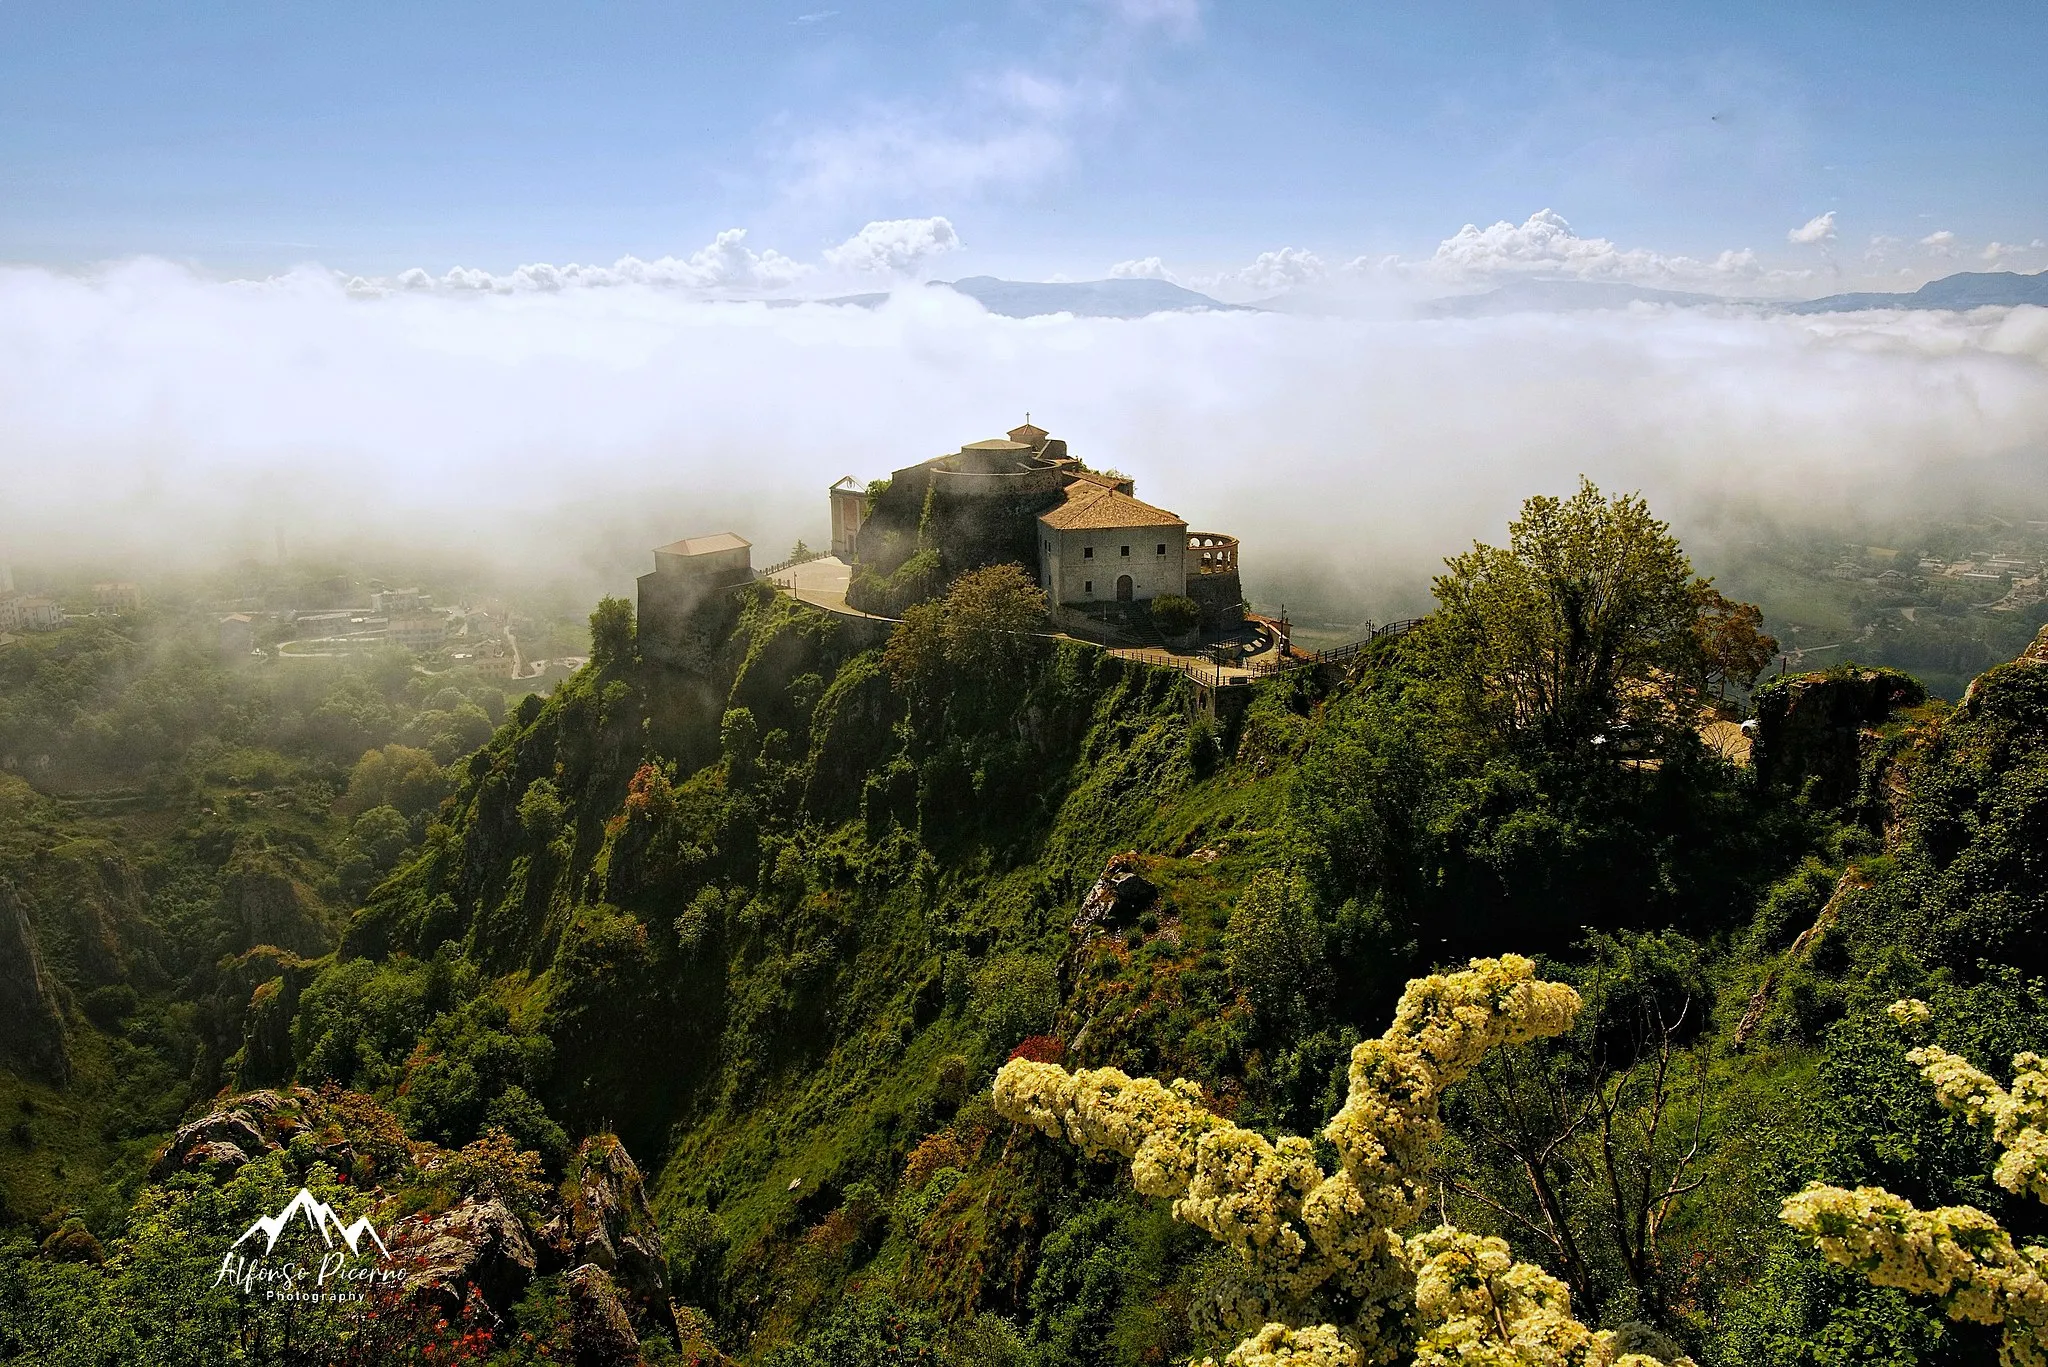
(1162, 548)
(1088, 586)
(1087, 552)
(1127, 550)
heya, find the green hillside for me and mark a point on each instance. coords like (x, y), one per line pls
(775, 918)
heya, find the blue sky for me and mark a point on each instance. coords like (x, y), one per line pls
(1057, 137)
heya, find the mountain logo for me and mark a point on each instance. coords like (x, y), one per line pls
(321, 1217)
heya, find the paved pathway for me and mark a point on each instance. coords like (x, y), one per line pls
(1201, 667)
(822, 583)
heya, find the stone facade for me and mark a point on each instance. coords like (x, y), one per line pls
(1022, 499)
(849, 510)
(690, 576)
(1137, 556)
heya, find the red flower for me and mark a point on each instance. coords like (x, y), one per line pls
(1040, 1049)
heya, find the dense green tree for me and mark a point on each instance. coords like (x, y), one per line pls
(397, 776)
(1082, 1270)
(969, 648)
(611, 634)
(872, 1330)
(1174, 613)
(1733, 646)
(1587, 617)
(541, 811)
(1275, 947)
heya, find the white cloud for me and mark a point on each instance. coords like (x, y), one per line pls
(1005, 123)
(1940, 243)
(894, 247)
(1814, 231)
(901, 153)
(1279, 272)
(163, 413)
(1270, 273)
(727, 265)
(1385, 264)
(1143, 268)
(1546, 245)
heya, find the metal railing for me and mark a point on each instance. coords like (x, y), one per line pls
(1213, 673)
(789, 564)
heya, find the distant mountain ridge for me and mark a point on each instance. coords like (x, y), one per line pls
(1562, 296)
(1142, 298)
(1082, 298)
(1965, 290)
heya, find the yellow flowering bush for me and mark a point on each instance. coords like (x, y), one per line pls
(1481, 1308)
(1327, 1279)
(1956, 1254)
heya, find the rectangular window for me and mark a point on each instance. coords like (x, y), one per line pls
(1162, 548)
(1087, 552)
(1127, 550)
(1087, 586)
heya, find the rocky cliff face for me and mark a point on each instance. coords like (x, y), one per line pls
(474, 1259)
(1813, 730)
(612, 1226)
(31, 1021)
(275, 909)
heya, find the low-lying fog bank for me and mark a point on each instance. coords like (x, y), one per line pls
(152, 416)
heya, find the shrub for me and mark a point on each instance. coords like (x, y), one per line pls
(1014, 997)
(528, 1124)
(1040, 1049)
(494, 1168)
(541, 811)
(1295, 1229)
(105, 1006)
(1274, 945)
(1174, 614)
(696, 1244)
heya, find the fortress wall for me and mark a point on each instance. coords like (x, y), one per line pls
(1009, 484)
(683, 617)
(1220, 597)
(975, 519)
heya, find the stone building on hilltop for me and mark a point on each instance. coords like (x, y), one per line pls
(686, 574)
(1097, 550)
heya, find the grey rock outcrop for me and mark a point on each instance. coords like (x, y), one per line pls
(274, 908)
(612, 1226)
(600, 1331)
(478, 1243)
(1119, 895)
(1814, 731)
(229, 1135)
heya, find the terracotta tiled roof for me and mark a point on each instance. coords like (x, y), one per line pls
(1089, 506)
(705, 545)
